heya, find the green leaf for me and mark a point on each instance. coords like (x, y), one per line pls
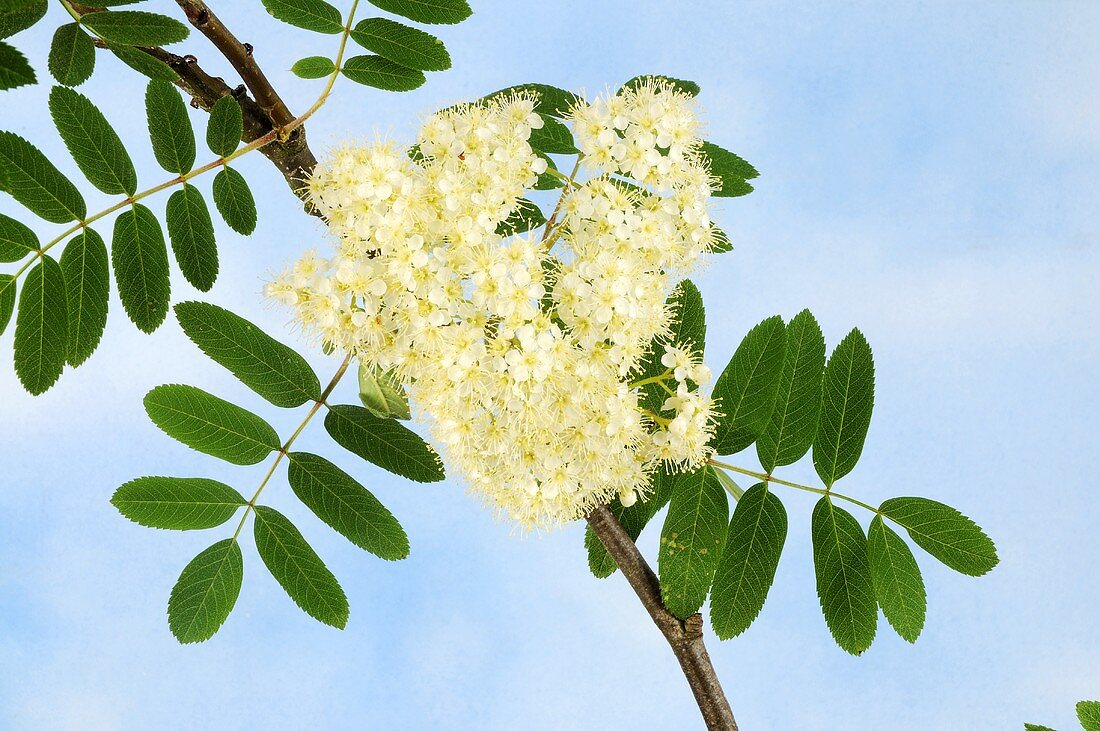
(313, 67)
(7, 300)
(234, 201)
(346, 506)
(691, 540)
(633, 520)
(143, 63)
(177, 503)
(848, 395)
(432, 12)
(688, 330)
(382, 73)
(897, 580)
(720, 241)
(1035, 727)
(32, 179)
(298, 568)
(225, 127)
(93, 143)
(1088, 712)
(169, 128)
(747, 567)
(211, 425)
(87, 284)
(793, 422)
(17, 16)
(135, 28)
(382, 394)
(687, 87)
(553, 137)
(140, 259)
(206, 591)
(384, 442)
(72, 55)
(731, 171)
(16, 240)
(549, 99)
(747, 387)
(546, 180)
(315, 15)
(524, 217)
(410, 47)
(41, 327)
(944, 532)
(192, 234)
(844, 583)
(262, 363)
(15, 70)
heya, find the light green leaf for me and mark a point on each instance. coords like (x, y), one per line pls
(944, 532)
(689, 329)
(169, 127)
(384, 442)
(553, 137)
(41, 327)
(93, 143)
(747, 387)
(143, 63)
(524, 217)
(135, 28)
(16, 16)
(7, 300)
(16, 240)
(382, 73)
(177, 503)
(410, 47)
(262, 363)
(844, 583)
(345, 505)
(225, 126)
(140, 259)
(192, 235)
(15, 70)
(549, 99)
(687, 87)
(87, 284)
(1088, 712)
(313, 67)
(633, 520)
(72, 55)
(211, 425)
(315, 15)
(234, 201)
(848, 396)
(206, 591)
(793, 422)
(432, 12)
(29, 177)
(691, 540)
(298, 568)
(382, 394)
(747, 567)
(731, 171)
(897, 580)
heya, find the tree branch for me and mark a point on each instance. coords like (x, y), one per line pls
(684, 637)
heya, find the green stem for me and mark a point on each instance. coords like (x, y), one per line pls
(764, 477)
(655, 379)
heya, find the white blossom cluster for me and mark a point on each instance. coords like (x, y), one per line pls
(522, 352)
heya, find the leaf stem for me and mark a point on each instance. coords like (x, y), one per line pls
(655, 379)
(764, 477)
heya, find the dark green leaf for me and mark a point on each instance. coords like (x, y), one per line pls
(7, 300)
(177, 503)
(16, 240)
(384, 442)
(793, 422)
(731, 171)
(382, 73)
(688, 330)
(1088, 712)
(135, 28)
(547, 180)
(944, 532)
(192, 234)
(897, 580)
(633, 519)
(93, 143)
(169, 128)
(524, 217)
(550, 99)
(15, 70)
(41, 327)
(143, 63)
(348, 507)
(298, 568)
(315, 15)
(691, 540)
(720, 241)
(447, 12)
(140, 259)
(225, 127)
(16, 16)
(209, 424)
(1034, 727)
(553, 137)
(401, 44)
(848, 395)
(747, 567)
(687, 87)
(382, 394)
(234, 201)
(844, 583)
(262, 363)
(87, 283)
(746, 389)
(32, 179)
(206, 591)
(313, 67)
(72, 55)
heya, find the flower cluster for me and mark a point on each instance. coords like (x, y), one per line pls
(519, 351)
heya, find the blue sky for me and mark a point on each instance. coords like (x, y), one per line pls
(929, 172)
